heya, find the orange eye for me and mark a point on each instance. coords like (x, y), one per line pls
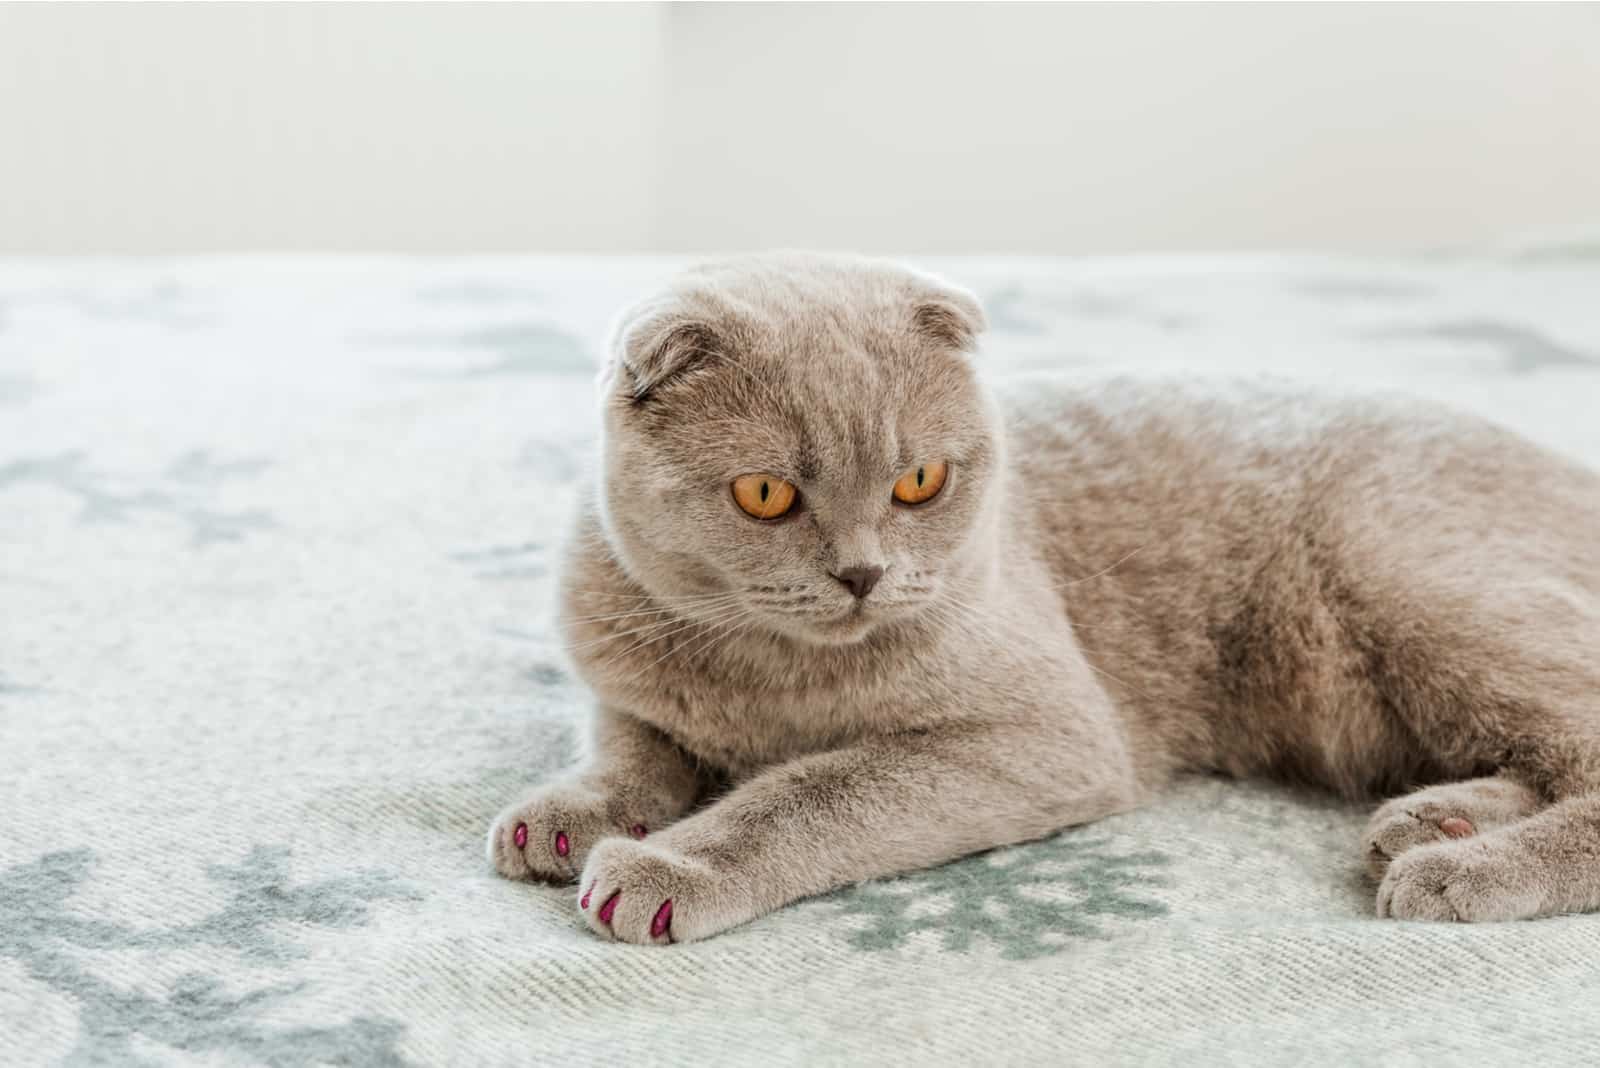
(763, 496)
(922, 483)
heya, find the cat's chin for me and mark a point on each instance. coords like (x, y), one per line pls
(846, 629)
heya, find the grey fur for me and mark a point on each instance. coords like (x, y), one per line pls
(1121, 582)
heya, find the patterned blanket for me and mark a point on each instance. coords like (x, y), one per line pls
(275, 644)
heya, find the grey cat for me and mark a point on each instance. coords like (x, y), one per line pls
(848, 613)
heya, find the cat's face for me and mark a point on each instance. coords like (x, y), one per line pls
(799, 444)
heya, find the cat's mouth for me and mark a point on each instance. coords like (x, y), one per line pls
(822, 620)
(844, 629)
(850, 625)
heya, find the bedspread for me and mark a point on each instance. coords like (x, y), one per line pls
(276, 555)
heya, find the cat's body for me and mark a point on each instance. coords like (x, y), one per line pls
(1120, 581)
(1278, 555)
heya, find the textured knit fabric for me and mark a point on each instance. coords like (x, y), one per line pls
(277, 544)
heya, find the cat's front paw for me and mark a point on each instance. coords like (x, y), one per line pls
(549, 834)
(1462, 882)
(648, 893)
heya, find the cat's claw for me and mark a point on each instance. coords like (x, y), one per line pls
(662, 924)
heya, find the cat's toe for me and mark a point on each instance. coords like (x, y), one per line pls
(1458, 881)
(1413, 888)
(647, 894)
(507, 845)
(1396, 829)
(548, 835)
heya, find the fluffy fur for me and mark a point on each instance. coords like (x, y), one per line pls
(1120, 582)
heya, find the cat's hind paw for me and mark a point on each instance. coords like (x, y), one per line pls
(1392, 833)
(1441, 813)
(1461, 882)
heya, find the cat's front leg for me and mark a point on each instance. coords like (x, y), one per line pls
(889, 805)
(637, 782)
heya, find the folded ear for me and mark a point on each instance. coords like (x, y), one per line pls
(656, 342)
(949, 315)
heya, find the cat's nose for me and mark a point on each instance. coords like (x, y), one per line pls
(860, 580)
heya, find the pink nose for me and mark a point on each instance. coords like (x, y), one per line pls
(859, 580)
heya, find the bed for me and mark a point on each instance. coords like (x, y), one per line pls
(277, 544)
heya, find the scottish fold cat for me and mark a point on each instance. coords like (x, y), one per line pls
(847, 611)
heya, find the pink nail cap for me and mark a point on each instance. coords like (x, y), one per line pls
(563, 847)
(520, 835)
(583, 902)
(638, 830)
(609, 907)
(663, 920)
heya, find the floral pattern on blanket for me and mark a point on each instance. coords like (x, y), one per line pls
(54, 945)
(1029, 901)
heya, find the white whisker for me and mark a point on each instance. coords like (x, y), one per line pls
(734, 619)
(687, 623)
(614, 635)
(664, 607)
(1104, 570)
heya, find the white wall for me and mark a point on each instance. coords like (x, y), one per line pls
(1131, 126)
(135, 127)
(913, 128)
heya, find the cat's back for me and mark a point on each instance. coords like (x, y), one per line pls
(1191, 475)
(1231, 548)
(1195, 425)
(1233, 465)
(1262, 570)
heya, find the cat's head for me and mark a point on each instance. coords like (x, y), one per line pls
(799, 443)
